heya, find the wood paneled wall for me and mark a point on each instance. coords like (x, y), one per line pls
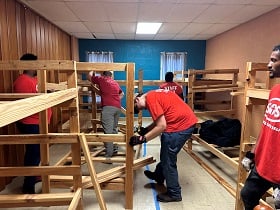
(24, 31)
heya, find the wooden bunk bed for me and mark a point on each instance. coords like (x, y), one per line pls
(118, 178)
(256, 96)
(223, 84)
(14, 107)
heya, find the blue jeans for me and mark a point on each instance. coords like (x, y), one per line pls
(32, 152)
(166, 169)
(254, 188)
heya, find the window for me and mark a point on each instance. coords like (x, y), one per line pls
(172, 61)
(99, 57)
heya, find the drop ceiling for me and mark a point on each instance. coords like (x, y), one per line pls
(117, 19)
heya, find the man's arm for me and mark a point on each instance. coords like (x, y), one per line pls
(157, 128)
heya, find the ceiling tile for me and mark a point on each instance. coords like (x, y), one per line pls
(172, 27)
(247, 13)
(216, 13)
(183, 36)
(88, 11)
(154, 11)
(144, 36)
(196, 1)
(164, 36)
(71, 26)
(267, 2)
(99, 27)
(83, 35)
(218, 28)
(202, 37)
(104, 36)
(185, 12)
(123, 27)
(124, 12)
(53, 10)
(116, 19)
(242, 2)
(196, 28)
(125, 36)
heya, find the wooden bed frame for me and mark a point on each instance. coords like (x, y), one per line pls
(68, 99)
(202, 82)
(255, 94)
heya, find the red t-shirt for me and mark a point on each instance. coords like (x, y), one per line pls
(267, 151)
(27, 84)
(172, 86)
(177, 113)
(109, 91)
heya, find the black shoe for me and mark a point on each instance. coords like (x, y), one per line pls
(152, 176)
(28, 190)
(164, 197)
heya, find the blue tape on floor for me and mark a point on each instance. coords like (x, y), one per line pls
(153, 187)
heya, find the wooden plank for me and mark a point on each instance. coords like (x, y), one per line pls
(129, 132)
(213, 71)
(39, 138)
(76, 201)
(92, 172)
(258, 93)
(216, 176)
(92, 137)
(19, 109)
(31, 200)
(15, 96)
(15, 65)
(215, 113)
(232, 163)
(36, 170)
(87, 66)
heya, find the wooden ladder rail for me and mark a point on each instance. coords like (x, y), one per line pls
(252, 96)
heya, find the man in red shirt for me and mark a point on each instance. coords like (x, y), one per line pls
(172, 86)
(174, 121)
(111, 95)
(264, 160)
(27, 83)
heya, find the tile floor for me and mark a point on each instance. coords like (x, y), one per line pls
(199, 190)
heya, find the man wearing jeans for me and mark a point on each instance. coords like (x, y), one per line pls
(174, 121)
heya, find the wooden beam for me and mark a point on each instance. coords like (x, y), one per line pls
(15, 65)
(87, 66)
(39, 138)
(36, 170)
(19, 109)
(32, 200)
(216, 152)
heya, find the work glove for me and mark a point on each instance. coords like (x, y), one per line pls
(134, 140)
(248, 161)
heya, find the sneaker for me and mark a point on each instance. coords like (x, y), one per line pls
(152, 176)
(164, 197)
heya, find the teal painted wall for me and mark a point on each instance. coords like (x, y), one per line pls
(146, 54)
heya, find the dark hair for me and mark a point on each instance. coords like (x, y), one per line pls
(28, 57)
(136, 110)
(107, 73)
(276, 48)
(169, 76)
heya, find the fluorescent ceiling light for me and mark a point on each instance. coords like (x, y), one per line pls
(147, 28)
